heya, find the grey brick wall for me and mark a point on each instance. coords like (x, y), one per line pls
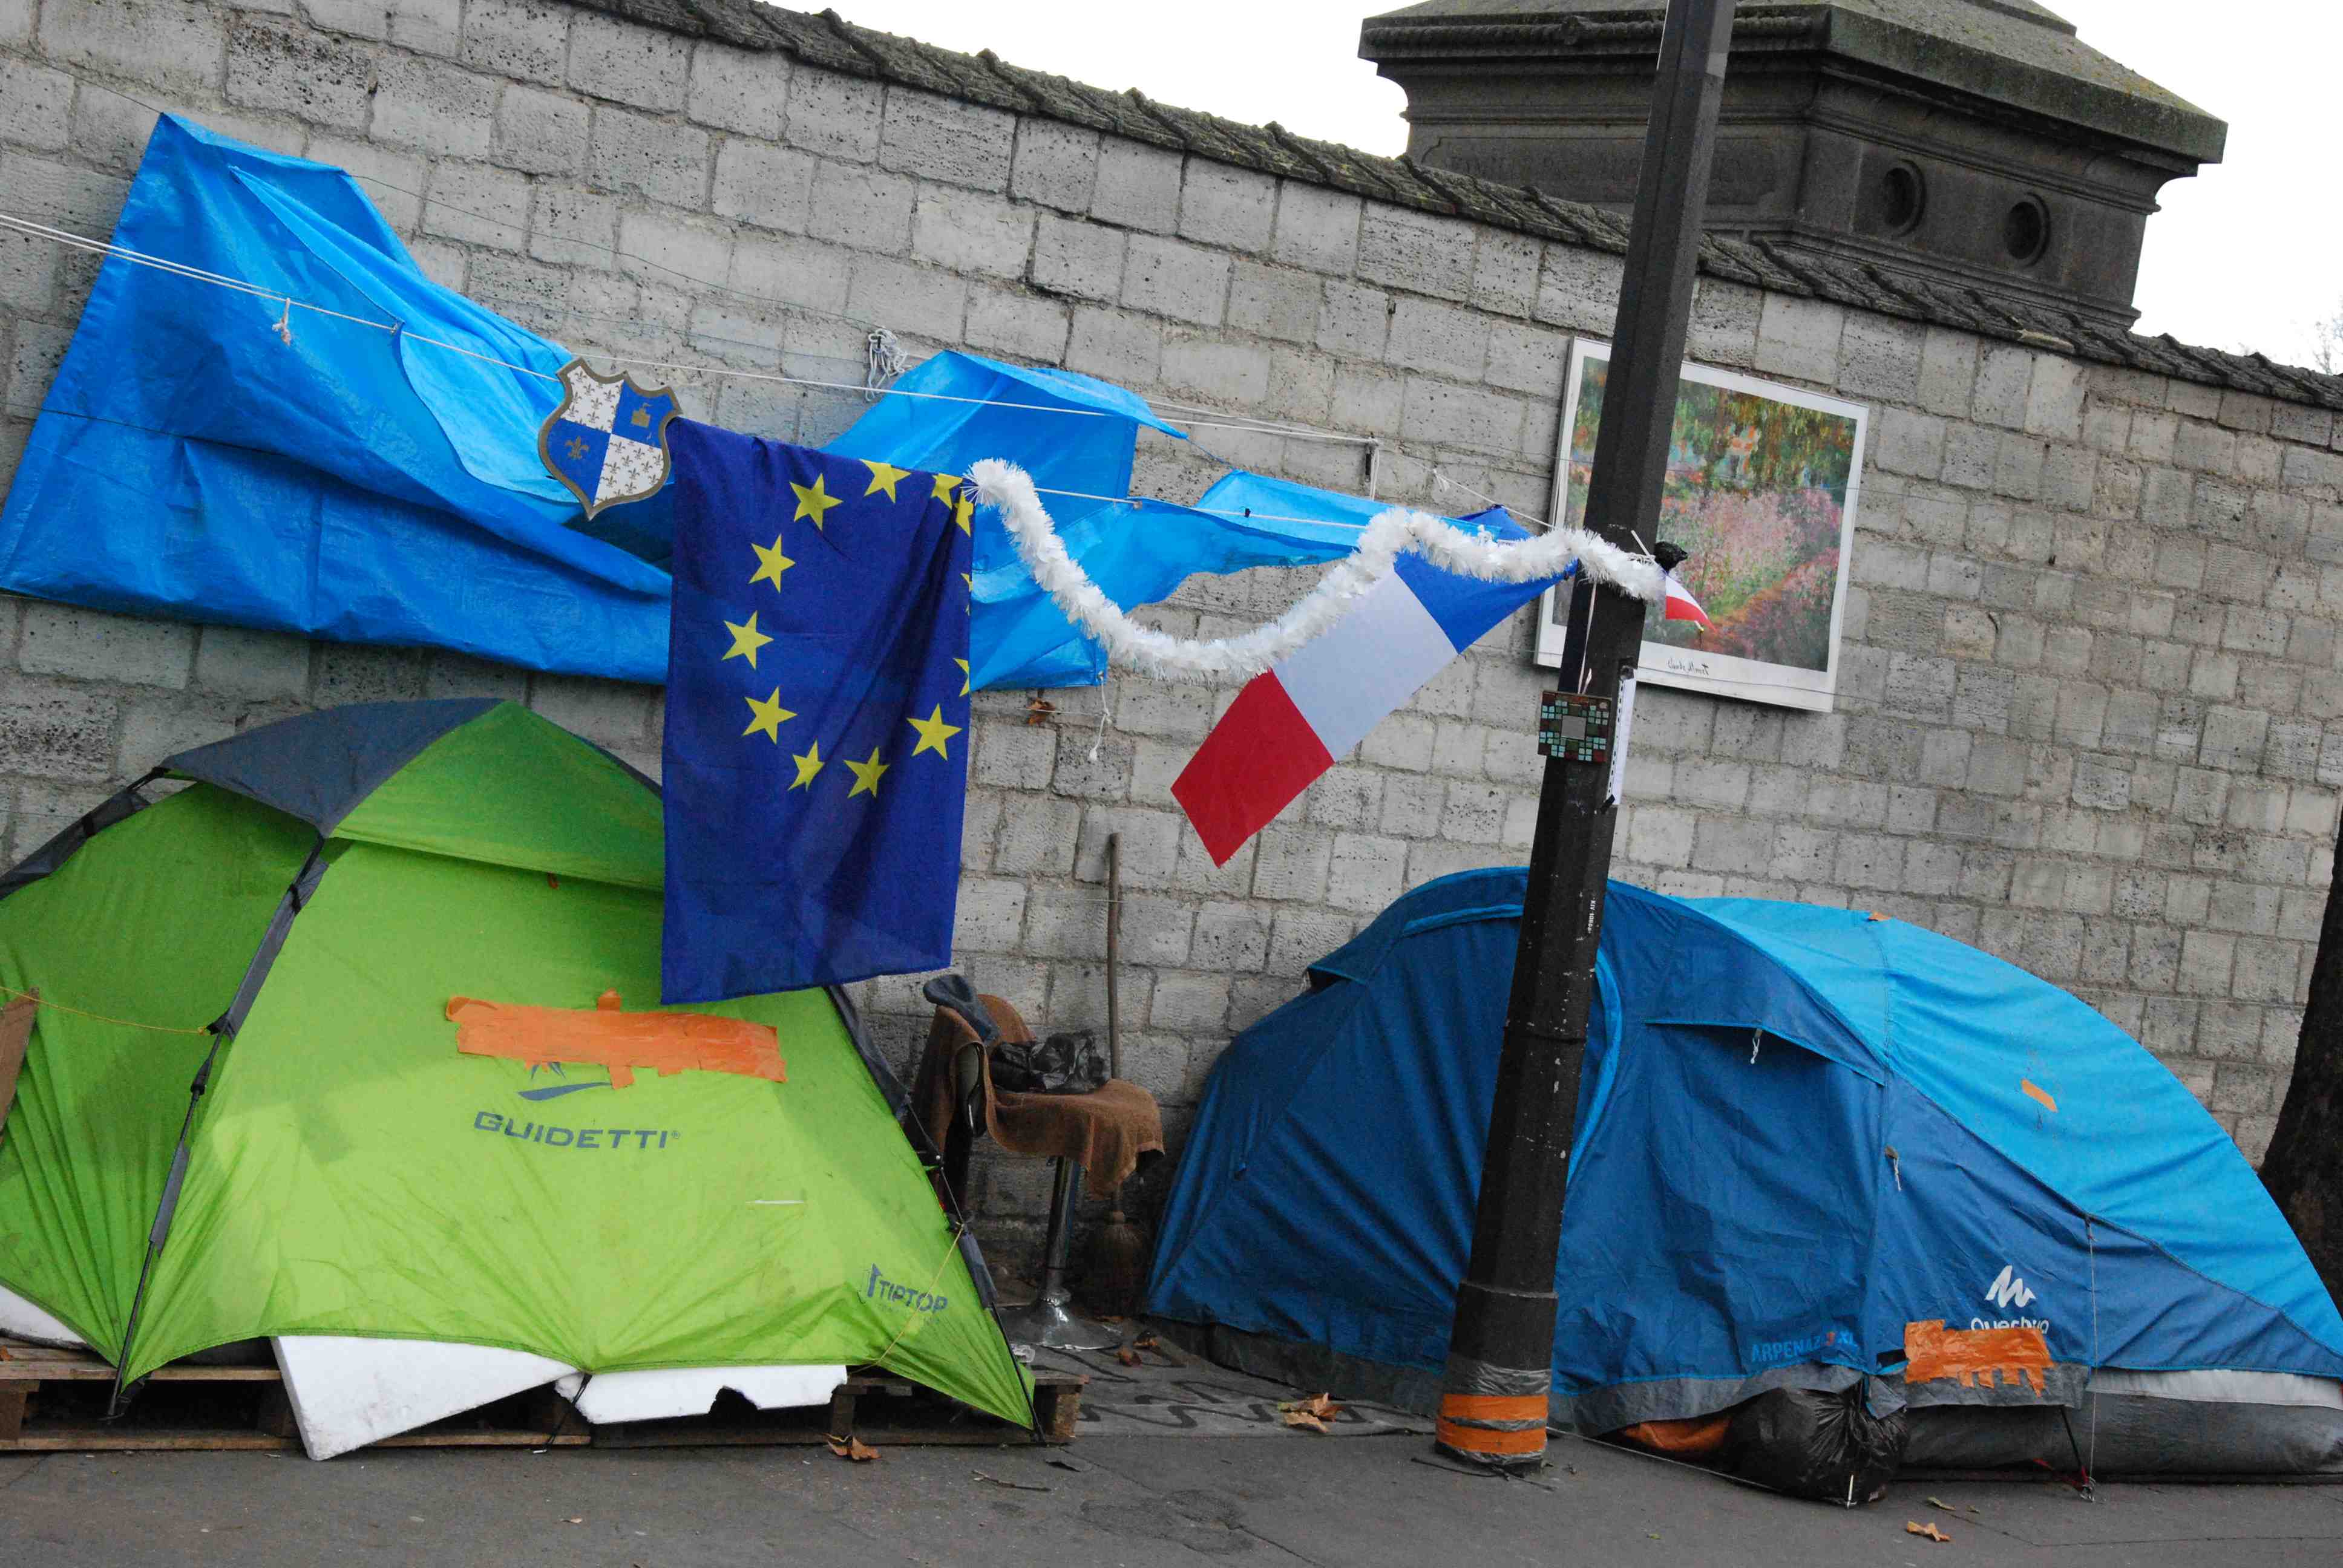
(2092, 717)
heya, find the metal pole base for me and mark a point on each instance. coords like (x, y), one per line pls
(1050, 1322)
(1506, 1464)
(1496, 1389)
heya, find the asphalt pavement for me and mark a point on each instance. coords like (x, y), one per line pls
(1288, 1499)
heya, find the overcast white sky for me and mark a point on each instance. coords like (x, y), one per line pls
(2244, 256)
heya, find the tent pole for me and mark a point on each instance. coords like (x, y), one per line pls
(1494, 1390)
(224, 1030)
(164, 1210)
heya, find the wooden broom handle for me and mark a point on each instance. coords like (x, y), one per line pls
(1114, 954)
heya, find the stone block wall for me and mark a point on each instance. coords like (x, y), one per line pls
(2091, 716)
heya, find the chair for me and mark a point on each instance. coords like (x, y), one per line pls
(1109, 1132)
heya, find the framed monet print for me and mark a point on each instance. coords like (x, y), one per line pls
(1762, 490)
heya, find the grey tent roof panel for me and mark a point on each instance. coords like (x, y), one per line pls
(318, 766)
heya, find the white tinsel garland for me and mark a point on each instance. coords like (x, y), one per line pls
(1008, 486)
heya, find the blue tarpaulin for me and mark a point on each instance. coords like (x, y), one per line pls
(1799, 1130)
(1076, 437)
(366, 486)
(351, 484)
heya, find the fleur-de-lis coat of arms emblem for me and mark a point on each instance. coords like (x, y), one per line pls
(607, 441)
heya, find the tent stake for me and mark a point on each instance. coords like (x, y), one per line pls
(1496, 1389)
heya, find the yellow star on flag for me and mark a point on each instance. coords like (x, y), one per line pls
(933, 733)
(770, 715)
(884, 477)
(813, 500)
(963, 509)
(746, 641)
(866, 775)
(771, 563)
(963, 674)
(945, 485)
(808, 764)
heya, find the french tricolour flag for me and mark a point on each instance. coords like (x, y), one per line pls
(1291, 722)
(1680, 605)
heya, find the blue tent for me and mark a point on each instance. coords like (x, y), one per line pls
(1800, 1131)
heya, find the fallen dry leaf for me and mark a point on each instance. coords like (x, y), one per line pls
(1940, 1502)
(1128, 1357)
(1930, 1531)
(1319, 1405)
(1304, 1419)
(577, 1519)
(852, 1448)
(1039, 710)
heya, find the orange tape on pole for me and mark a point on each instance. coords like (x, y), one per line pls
(1493, 1406)
(1481, 1440)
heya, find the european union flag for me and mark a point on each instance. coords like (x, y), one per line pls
(817, 717)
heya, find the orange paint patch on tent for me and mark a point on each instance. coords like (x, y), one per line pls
(2036, 1092)
(603, 1035)
(1933, 1351)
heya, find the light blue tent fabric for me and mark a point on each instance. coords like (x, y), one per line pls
(352, 483)
(1075, 434)
(1799, 1130)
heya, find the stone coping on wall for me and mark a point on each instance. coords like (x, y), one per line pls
(828, 40)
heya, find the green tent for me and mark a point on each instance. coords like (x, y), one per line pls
(286, 933)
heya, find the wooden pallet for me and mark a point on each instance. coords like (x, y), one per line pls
(53, 1399)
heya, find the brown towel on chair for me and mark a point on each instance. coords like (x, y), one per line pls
(1107, 1132)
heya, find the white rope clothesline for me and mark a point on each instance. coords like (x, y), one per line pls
(1380, 541)
(1438, 478)
(283, 327)
(1152, 652)
(290, 303)
(1300, 432)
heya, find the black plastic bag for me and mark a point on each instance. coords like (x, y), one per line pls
(1810, 1443)
(1061, 1064)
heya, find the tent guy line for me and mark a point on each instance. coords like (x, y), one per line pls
(39, 1001)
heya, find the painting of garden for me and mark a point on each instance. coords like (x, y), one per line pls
(1756, 493)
